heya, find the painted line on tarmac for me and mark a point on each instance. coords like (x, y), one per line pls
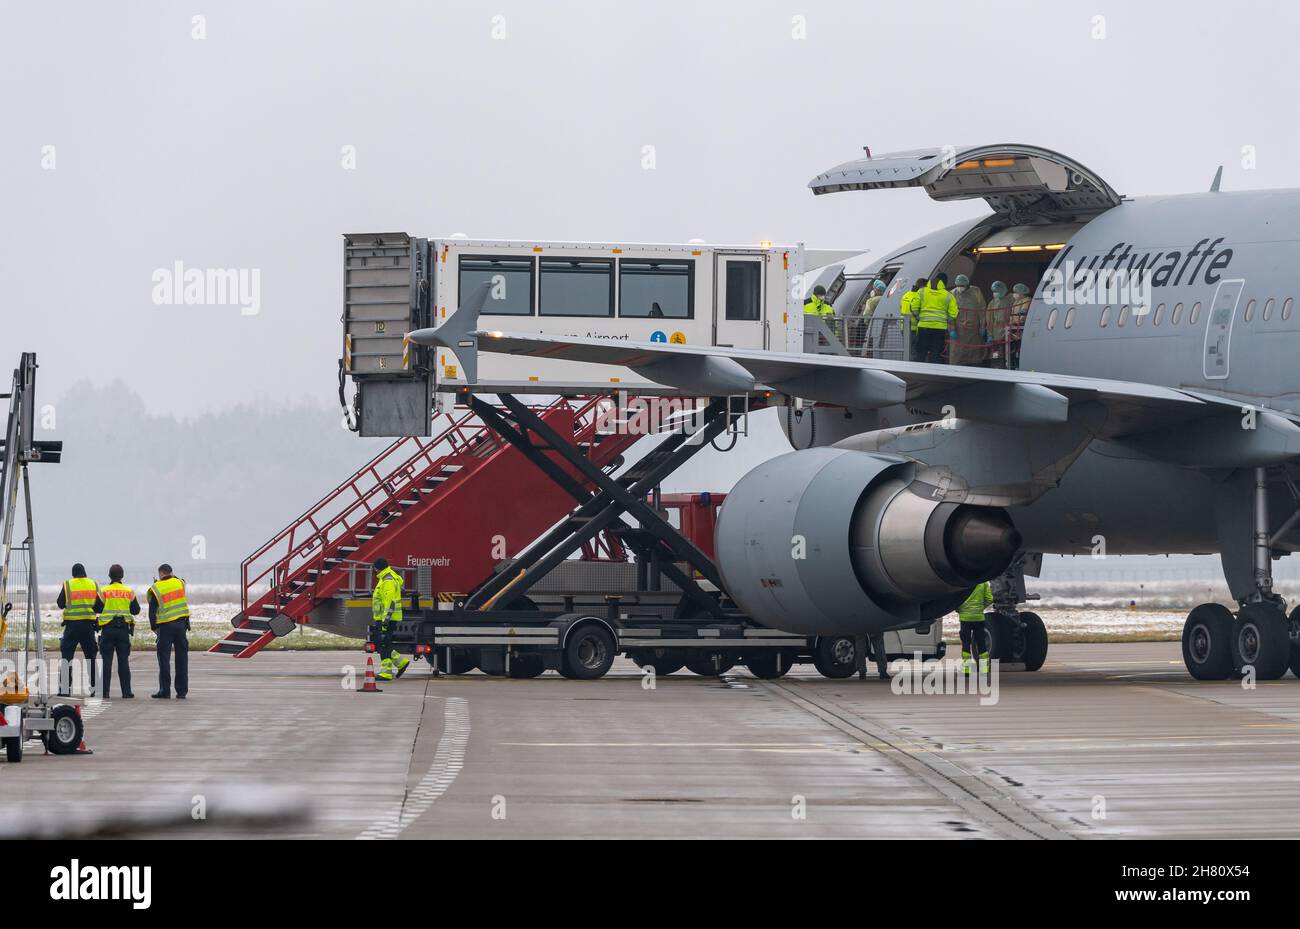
(448, 759)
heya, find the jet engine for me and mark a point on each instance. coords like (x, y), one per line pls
(832, 541)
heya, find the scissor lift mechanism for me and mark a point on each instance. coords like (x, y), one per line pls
(500, 630)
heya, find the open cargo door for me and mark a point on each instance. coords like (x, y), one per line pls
(1014, 179)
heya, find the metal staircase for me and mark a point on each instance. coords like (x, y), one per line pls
(417, 493)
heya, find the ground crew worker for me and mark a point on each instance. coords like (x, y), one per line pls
(77, 601)
(386, 608)
(909, 312)
(935, 319)
(1016, 325)
(117, 608)
(817, 305)
(169, 618)
(996, 317)
(973, 633)
(968, 349)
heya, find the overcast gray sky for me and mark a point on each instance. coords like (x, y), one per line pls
(226, 150)
(133, 136)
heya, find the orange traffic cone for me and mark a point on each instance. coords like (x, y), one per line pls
(368, 685)
(83, 748)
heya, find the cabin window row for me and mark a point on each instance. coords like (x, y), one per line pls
(1175, 316)
(640, 288)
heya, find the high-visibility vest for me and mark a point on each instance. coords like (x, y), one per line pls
(818, 307)
(972, 609)
(117, 602)
(79, 595)
(169, 594)
(386, 602)
(911, 303)
(938, 308)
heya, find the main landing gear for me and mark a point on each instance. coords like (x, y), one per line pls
(1261, 638)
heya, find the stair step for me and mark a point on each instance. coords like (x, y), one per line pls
(365, 538)
(227, 647)
(244, 635)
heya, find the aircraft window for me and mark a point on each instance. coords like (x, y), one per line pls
(1123, 315)
(1176, 315)
(1105, 316)
(744, 290)
(1069, 317)
(1286, 308)
(511, 293)
(1051, 318)
(1140, 313)
(1250, 311)
(576, 287)
(656, 289)
(1159, 315)
(1195, 317)
(1268, 309)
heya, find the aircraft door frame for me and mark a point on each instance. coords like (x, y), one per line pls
(1216, 351)
(739, 333)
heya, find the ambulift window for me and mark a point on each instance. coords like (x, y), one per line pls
(576, 287)
(655, 289)
(744, 298)
(511, 279)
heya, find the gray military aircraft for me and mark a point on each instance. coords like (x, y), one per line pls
(1161, 423)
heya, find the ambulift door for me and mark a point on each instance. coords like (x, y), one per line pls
(739, 300)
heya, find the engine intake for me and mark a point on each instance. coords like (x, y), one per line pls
(832, 541)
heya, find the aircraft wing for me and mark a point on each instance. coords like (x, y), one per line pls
(1198, 430)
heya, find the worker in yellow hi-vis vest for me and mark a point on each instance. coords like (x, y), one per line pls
(169, 618)
(974, 637)
(117, 609)
(77, 601)
(386, 610)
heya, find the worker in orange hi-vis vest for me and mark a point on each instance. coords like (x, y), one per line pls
(77, 601)
(169, 618)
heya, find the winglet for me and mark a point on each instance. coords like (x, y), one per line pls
(1218, 176)
(459, 332)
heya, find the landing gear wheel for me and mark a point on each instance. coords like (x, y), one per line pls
(768, 667)
(13, 750)
(1030, 641)
(1207, 642)
(714, 665)
(1261, 640)
(834, 657)
(1294, 621)
(663, 660)
(66, 735)
(998, 630)
(527, 666)
(589, 653)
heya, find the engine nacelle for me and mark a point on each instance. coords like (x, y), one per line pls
(830, 541)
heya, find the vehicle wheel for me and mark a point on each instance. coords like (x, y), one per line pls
(834, 657)
(526, 666)
(998, 630)
(714, 665)
(1207, 642)
(768, 667)
(663, 660)
(13, 750)
(589, 652)
(1032, 641)
(1294, 622)
(1261, 639)
(462, 660)
(66, 735)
